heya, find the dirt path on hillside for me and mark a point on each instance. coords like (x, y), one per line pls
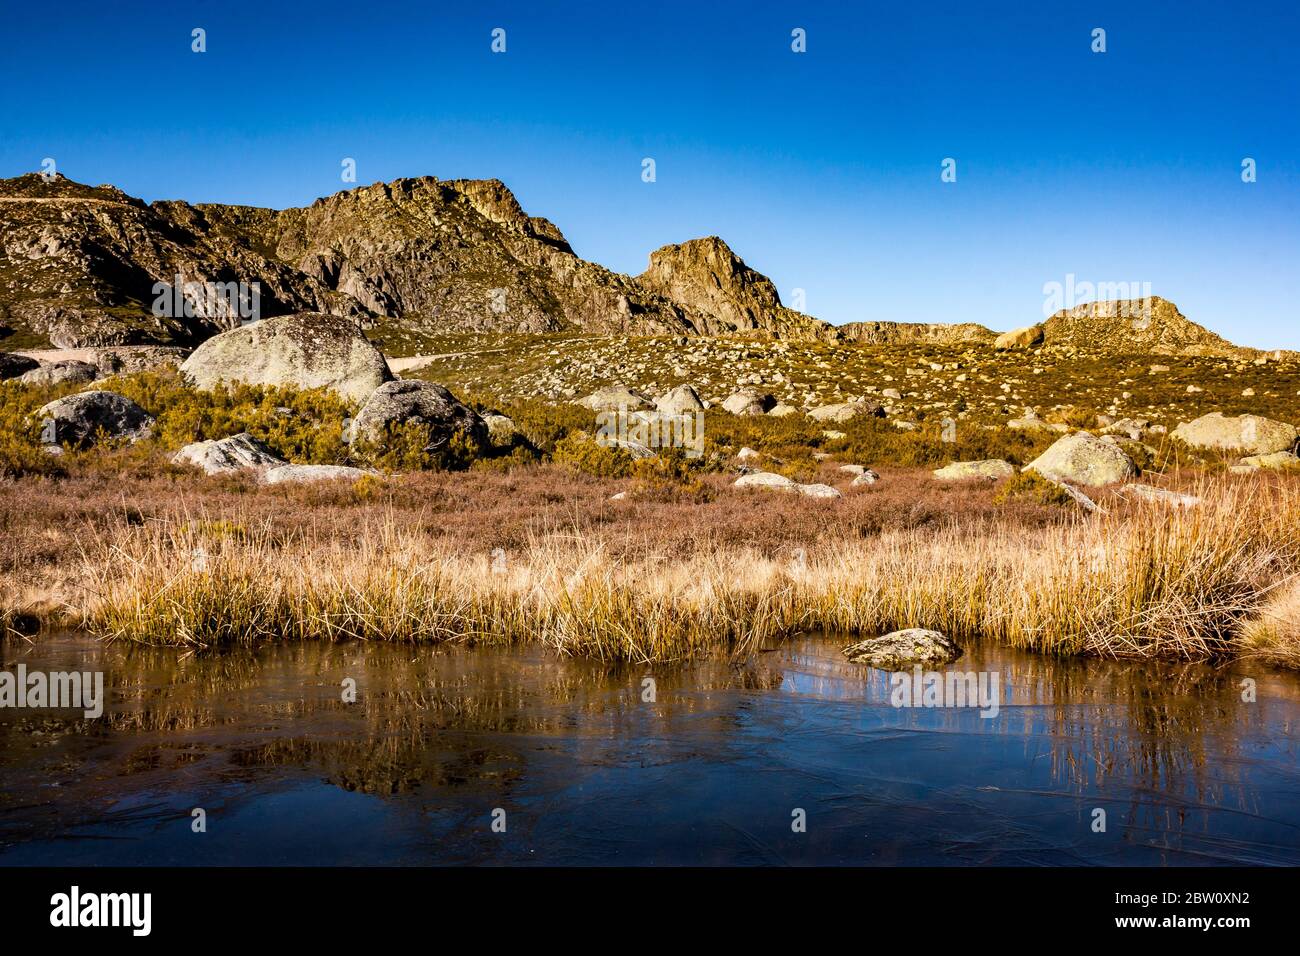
(408, 362)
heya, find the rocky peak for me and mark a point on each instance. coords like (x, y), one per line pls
(708, 275)
(1152, 326)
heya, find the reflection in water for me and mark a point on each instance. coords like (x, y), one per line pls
(709, 770)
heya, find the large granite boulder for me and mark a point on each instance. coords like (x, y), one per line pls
(1084, 459)
(307, 350)
(80, 420)
(1242, 434)
(423, 403)
(240, 452)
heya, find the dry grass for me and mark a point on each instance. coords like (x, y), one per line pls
(1139, 581)
(1274, 635)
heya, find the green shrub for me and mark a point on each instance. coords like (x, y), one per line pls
(1031, 486)
(583, 453)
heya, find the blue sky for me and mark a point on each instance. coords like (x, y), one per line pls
(820, 169)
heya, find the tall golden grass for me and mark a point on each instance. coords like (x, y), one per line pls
(1137, 581)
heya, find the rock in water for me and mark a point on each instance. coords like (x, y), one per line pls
(1085, 459)
(898, 649)
(1243, 434)
(423, 403)
(992, 469)
(306, 350)
(236, 453)
(80, 419)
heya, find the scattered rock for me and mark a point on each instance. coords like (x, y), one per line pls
(127, 359)
(846, 411)
(1158, 496)
(1084, 459)
(868, 477)
(991, 468)
(747, 453)
(1277, 461)
(682, 400)
(410, 401)
(1079, 498)
(1133, 428)
(898, 649)
(767, 479)
(781, 411)
(306, 350)
(1024, 338)
(1244, 434)
(502, 431)
(292, 473)
(747, 401)
(80, 419)
(852, 469)
(615, 397)
(817, 491)
(237, 453)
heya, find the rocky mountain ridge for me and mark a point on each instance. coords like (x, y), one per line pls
(79, 267)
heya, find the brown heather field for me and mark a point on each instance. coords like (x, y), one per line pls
(133, 548)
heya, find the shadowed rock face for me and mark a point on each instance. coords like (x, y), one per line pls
(79, 265)
(305, 350)
(80, 420)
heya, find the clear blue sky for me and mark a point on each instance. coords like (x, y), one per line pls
(821, 169)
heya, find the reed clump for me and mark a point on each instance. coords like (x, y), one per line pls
(1138, 581)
